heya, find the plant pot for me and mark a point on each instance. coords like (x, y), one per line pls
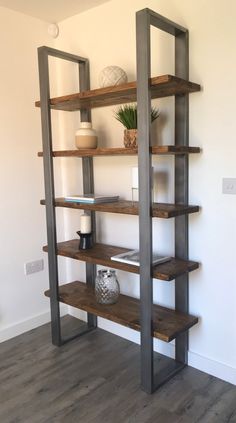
(86, 136)
(130, 138)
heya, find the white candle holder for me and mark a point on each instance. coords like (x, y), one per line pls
(86, 241)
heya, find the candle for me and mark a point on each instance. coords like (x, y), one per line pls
(85, 224)
(135, 177)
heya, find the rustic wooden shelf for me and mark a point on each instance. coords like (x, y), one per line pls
(161, 86)
(167, 323)
(102, 253)
(162, 210)
(159, 149)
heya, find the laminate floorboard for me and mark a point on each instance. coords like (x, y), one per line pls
(95, 379)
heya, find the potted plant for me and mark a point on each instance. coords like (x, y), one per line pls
(127, 115)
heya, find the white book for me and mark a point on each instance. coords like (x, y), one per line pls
(92, 198)
(132, 257)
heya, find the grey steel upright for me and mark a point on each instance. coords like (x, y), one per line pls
(144, 19)
(43, 54)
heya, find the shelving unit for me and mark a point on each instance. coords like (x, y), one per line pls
(153, 321)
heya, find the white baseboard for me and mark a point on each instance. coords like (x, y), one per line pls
(205, 364)
(215, 368)
(18, 328)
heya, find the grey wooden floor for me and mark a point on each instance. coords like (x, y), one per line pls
(95, 379)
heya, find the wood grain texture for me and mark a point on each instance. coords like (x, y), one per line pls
(161, 210)
(161, 86)
(102, 253)
(96, 152)
(96, 379)
(167, 323)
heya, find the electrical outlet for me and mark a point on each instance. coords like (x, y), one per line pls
(33, 266)
(229, 186)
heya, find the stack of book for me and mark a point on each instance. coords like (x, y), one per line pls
(92, 198)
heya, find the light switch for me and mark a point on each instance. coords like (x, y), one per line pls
(33, 266)
(229, 186)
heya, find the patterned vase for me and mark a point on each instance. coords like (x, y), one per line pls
(107, 289)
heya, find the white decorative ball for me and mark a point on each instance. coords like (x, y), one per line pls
(111, 76)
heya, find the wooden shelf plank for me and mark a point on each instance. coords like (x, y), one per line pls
(102, 253)
(161, 86)
(161, 210)
(167, 323)
(159, 149)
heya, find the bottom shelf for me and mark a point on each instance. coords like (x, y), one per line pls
(167, 323)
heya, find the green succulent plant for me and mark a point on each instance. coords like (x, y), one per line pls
(127, 115)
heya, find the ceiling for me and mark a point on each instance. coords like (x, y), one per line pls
(51, 10)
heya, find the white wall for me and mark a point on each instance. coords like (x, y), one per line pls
(107, 36)
(22, 220)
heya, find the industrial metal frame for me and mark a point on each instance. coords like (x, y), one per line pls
(144, 19)
(88, 186)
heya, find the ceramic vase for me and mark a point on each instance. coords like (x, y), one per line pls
(86, 136)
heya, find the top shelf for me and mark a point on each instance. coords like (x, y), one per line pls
(161, 86)
(121, 151)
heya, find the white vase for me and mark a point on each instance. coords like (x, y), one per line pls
(86, 136)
